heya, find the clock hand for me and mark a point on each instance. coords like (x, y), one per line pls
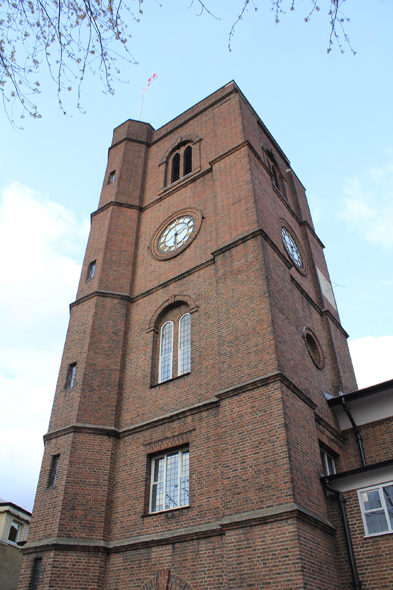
(175, 239)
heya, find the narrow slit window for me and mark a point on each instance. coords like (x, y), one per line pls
(36, 574)
(112, 177)
(166, 352)
(175, 167)
(185, 344)
(71, 376)
(54, 468)
(91, 270)
(187, 160)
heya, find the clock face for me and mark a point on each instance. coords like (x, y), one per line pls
(292, 248)
(176, 234)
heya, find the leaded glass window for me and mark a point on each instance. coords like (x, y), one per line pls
(170, 481)
(377, 509)
(166, 352)
(185, 344)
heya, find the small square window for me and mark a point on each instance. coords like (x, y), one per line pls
(71, 376)
(376, 505)
(36, 574)
(170, 481)
(14, 533)
(91, 270)
(54, 468)
(328, 465)
(112, 177)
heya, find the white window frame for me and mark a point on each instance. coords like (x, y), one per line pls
(384, 507)
(179, 350)
(18, 526)
(160, 380)
(326, 464)
(180, 453)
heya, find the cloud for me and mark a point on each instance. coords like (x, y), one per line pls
(368, 205)
(42, 243)
(372, 359)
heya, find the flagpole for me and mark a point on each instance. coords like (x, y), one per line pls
(150, 80)
(140, 107)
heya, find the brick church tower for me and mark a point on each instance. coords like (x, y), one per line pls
(184, 447)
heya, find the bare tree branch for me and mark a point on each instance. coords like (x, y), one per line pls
(75, 37)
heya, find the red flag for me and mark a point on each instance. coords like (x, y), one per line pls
(150, 80)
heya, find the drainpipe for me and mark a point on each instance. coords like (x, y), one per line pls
(357, 584)
(355, 427)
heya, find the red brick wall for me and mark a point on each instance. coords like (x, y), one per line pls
(246, 411)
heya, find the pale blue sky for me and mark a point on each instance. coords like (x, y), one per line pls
(331, 115)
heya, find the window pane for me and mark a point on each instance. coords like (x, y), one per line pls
(185, 344)
(331, 466)
(184, 480)
(172, 483)
(157, 497)
(388, 493)
(159, 469)
(166, 352)
(371, 500)
(376, 522)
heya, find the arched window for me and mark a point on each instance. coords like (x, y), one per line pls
(175, 167)
(184, 357)
(181, 163)
(187, 157)
(172, 343)
(166, 352)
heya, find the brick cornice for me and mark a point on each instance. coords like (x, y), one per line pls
(102, 430)
(115, 204)
(131, 140)
(130, 299)
(274, 377)
(253, 234)
(260, 517)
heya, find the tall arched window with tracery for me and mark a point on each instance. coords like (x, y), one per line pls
(184, 357)
(172, 343)
(166, 352)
